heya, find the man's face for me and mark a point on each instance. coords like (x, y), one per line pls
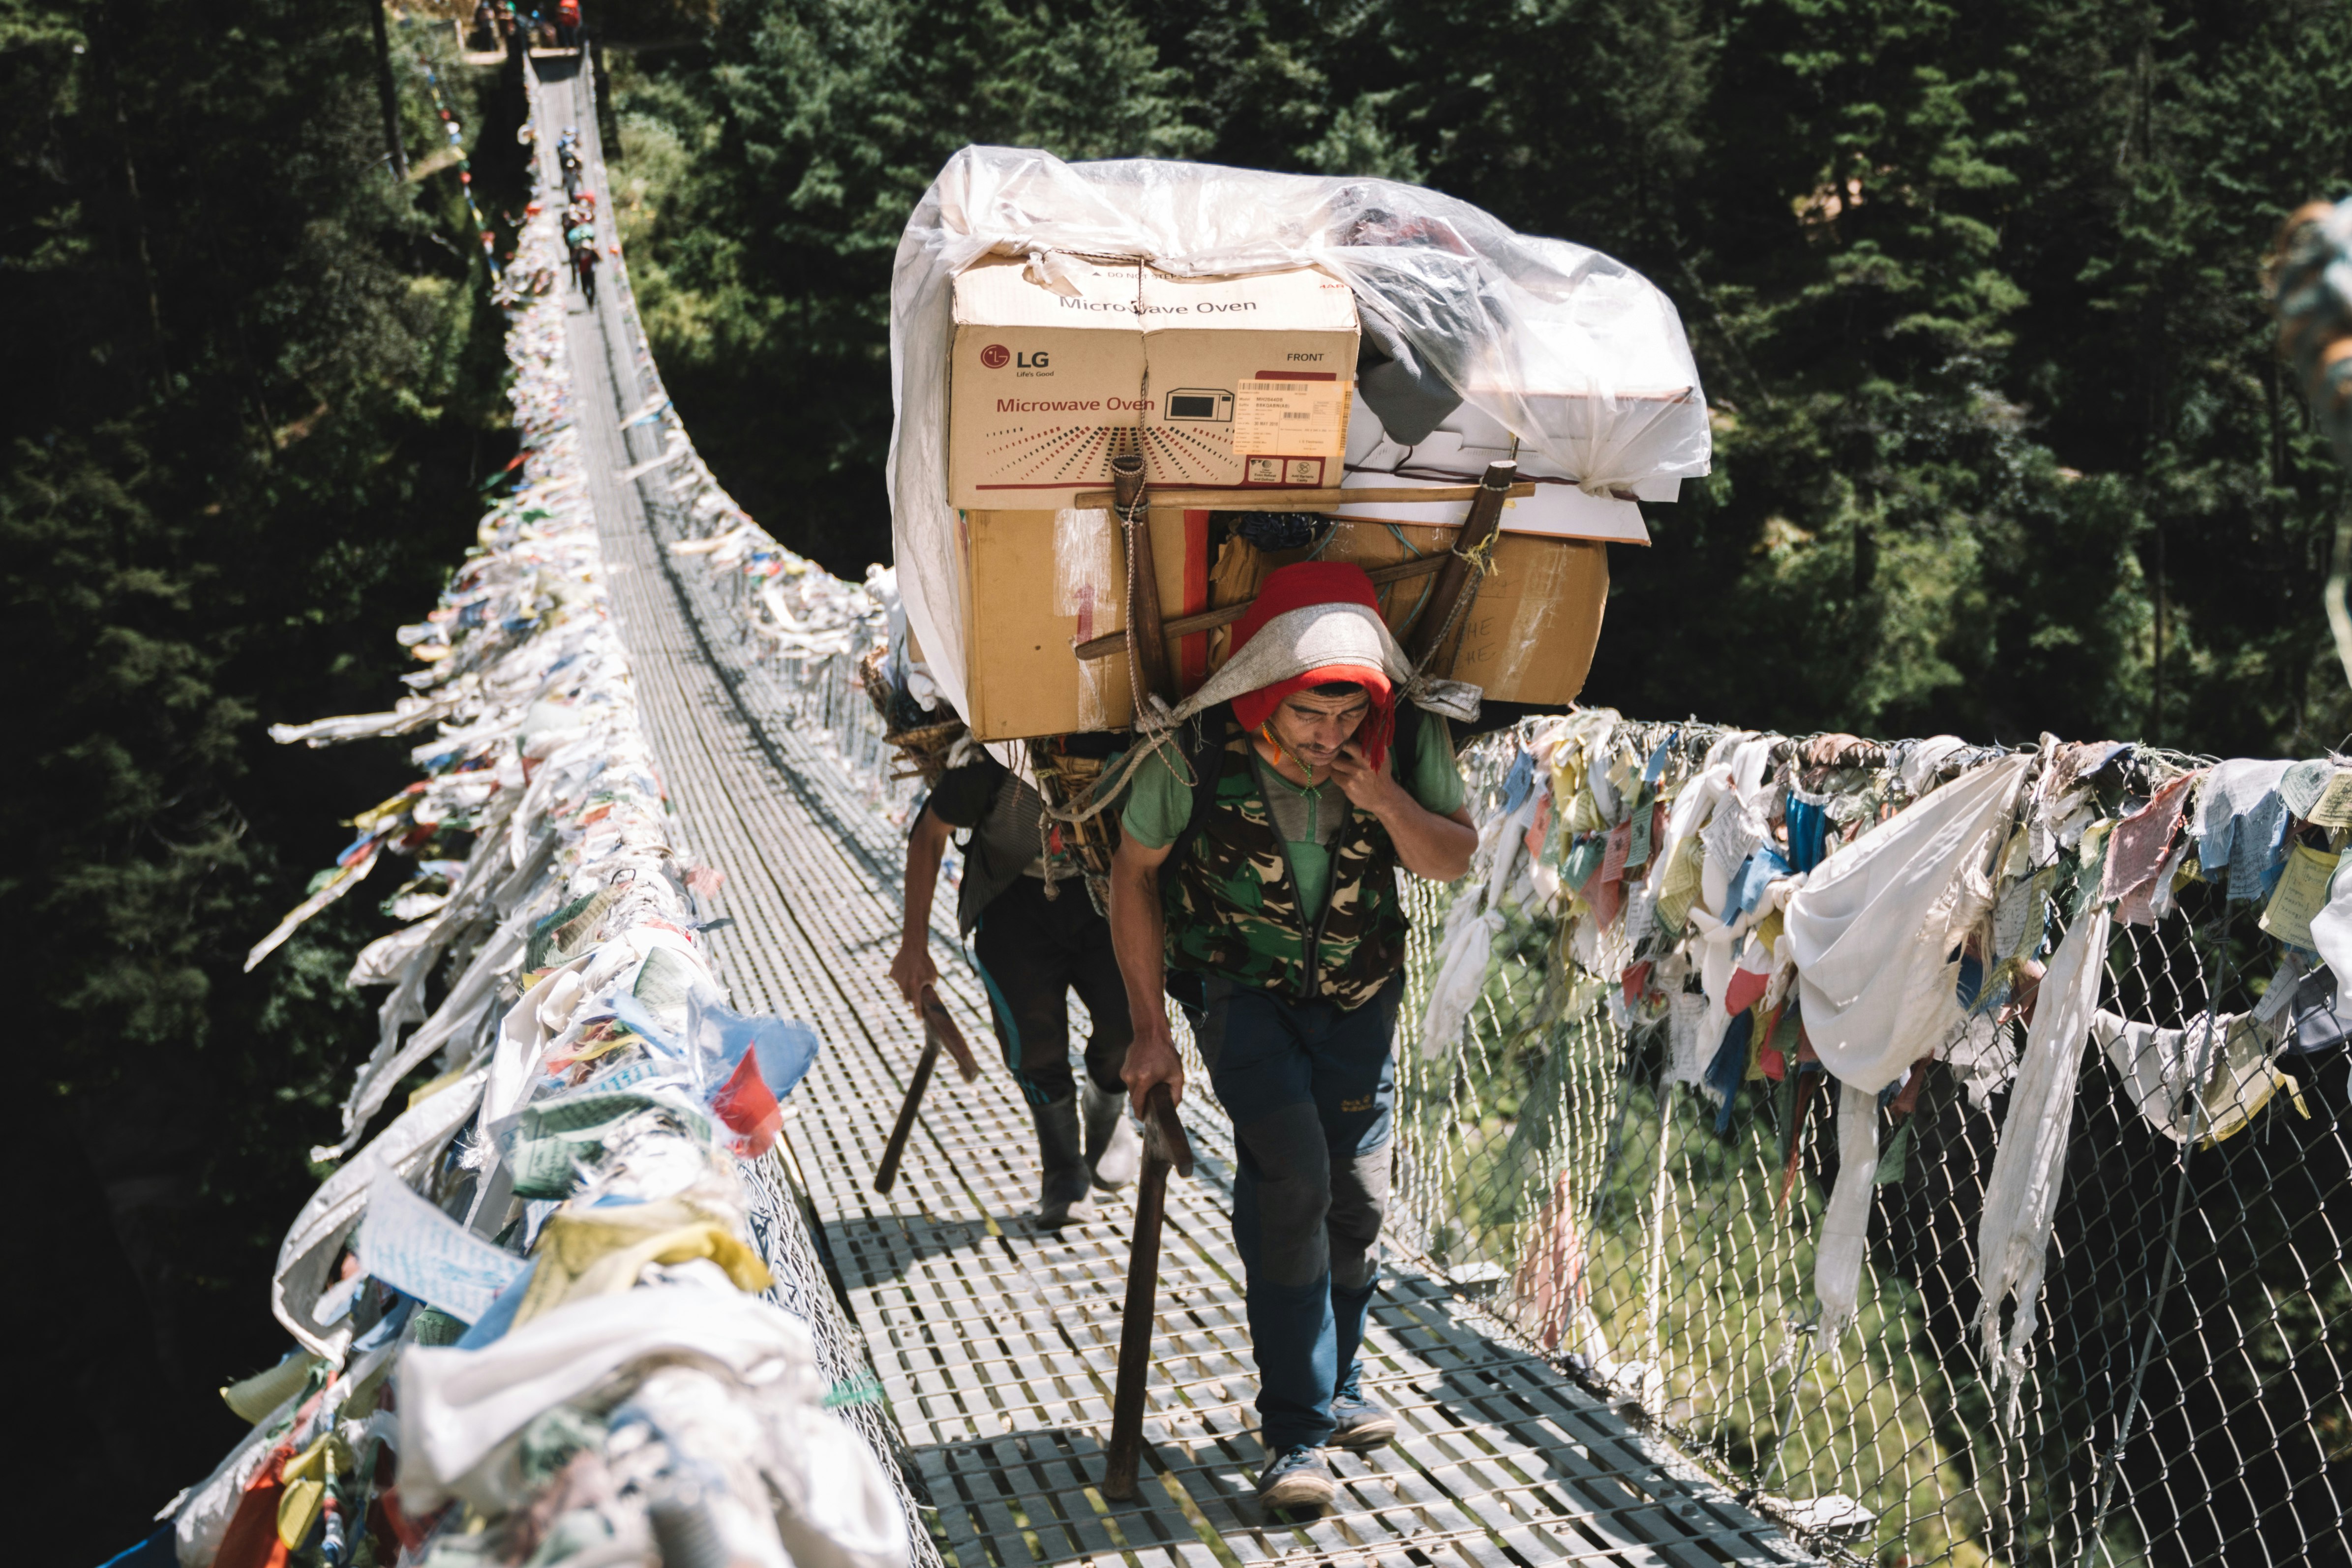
(1313, 728)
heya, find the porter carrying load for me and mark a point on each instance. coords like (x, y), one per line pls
(1030, 903)
(1257, 881)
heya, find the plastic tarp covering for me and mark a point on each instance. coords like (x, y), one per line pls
(1577, 355)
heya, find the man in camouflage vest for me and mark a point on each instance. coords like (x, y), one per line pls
(1267, 881)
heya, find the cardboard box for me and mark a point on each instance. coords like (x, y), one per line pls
(1226, 382)
(1529, 635)
(1049, 580)
(1034, 583)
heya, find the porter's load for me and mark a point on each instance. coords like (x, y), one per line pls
(1350, 355)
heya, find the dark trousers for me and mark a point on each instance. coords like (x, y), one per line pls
(1309, 1087)
(1032, 952)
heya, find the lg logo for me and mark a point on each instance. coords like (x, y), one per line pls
(996, 356)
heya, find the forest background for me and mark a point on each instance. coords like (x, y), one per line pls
(2001, 447)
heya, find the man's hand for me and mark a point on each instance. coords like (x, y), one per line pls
(1428, 844)
(1373, 790)
(1151, 1058)
(912, 970)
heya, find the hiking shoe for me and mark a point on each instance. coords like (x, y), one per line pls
(1360, 1423)
(1298, 1478)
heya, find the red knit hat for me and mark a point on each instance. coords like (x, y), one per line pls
(1288, 588)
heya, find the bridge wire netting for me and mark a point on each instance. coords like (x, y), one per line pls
(2185, 1401)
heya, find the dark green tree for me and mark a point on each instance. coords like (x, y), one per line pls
(2001, 444)
(252, 381)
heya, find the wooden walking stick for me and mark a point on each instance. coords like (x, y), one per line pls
(939, 1030)
(1165, 1147)
(1479, 532)
(1146, 638)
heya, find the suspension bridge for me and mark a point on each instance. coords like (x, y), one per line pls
(993, 1342)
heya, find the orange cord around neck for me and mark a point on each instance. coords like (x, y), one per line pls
(1266, 733)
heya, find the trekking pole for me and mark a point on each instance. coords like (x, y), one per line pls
(1165, 1147)
(939, 1030)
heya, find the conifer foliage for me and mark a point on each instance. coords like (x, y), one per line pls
(2002, 446)
(248, 385)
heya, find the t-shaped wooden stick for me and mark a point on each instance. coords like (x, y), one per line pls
(938, 1031)
(1142, 580)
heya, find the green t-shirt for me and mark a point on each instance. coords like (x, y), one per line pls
(1158, 805)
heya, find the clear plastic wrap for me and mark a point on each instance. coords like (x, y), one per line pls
(1577, 355)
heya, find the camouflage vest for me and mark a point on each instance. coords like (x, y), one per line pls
(1232, 906)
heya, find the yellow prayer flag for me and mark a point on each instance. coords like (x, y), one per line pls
(2334, 806)
(2301, 893)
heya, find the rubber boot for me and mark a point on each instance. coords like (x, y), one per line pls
(1114, 1147)
(1065, 1195)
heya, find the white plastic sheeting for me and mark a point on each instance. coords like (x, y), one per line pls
(1577, 355)
(2022, 1195)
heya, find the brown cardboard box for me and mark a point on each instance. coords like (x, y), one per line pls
(1036, 582)
(1228, 383)
(1529, 636)
(1048, 580)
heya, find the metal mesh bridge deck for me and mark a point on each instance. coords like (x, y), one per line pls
(993, 1342)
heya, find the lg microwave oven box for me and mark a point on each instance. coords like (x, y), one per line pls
(1236, 383)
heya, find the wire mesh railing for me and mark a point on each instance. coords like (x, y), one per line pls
(2185, 1400)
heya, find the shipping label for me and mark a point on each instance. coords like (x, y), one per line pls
(1292, 418)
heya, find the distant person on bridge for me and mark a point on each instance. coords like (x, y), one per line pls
(1038, 938)
(583, 240)
(1278, 914)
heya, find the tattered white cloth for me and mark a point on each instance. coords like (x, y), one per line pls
(1845, 1222)
(2013, 1236)
(1873, 928)
(1316, 637)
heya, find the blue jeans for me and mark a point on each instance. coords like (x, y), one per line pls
(1309, 1087)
